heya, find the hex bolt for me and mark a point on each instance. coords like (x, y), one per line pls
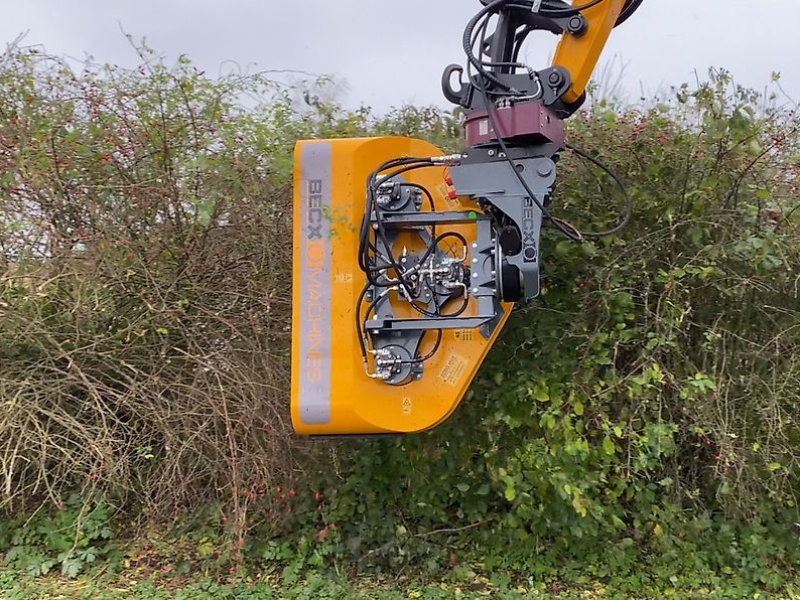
(491, 152)
(554, 78)
(474, 275)
(544, 169)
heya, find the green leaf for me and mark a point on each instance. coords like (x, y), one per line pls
(71, 568)
(510, 493)
(205, 549)
(608, 446)
(541, 394)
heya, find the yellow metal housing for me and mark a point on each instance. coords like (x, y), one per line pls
(331, 393)
(579, 54)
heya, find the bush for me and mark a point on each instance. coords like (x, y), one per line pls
(653, 391)
(648, 400)
(145, 294)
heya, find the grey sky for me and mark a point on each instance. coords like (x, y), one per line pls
(393, 52)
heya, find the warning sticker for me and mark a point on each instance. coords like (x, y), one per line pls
(408, 406)
(453, 369)
(444, 192)
(464, 335)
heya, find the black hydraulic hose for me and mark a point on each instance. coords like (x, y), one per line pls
(430, 354)
(627, 212)
(410, 163)
(631, 6)
(546, 11)
(504, 148)
(468, 41)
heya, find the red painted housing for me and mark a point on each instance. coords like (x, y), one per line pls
(530, 122)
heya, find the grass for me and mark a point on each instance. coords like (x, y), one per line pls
(315, 586)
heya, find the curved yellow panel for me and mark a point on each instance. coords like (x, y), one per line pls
(579, 54)
(331, 394)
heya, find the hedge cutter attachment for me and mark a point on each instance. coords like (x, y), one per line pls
(407, 261)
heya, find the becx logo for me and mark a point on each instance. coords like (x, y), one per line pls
(315, 215)
(530, 244)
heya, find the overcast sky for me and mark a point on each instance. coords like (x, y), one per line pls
(392, 52)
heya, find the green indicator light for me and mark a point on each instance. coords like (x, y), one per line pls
(473, 215)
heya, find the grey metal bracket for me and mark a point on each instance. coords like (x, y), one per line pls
(496, 185)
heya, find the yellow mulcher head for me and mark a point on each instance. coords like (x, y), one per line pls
(333, 391)
(406, 262)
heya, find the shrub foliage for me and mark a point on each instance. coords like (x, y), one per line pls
(145, 286)
(650, 398)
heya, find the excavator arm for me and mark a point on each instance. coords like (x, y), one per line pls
(578, 55)
(408, 262)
